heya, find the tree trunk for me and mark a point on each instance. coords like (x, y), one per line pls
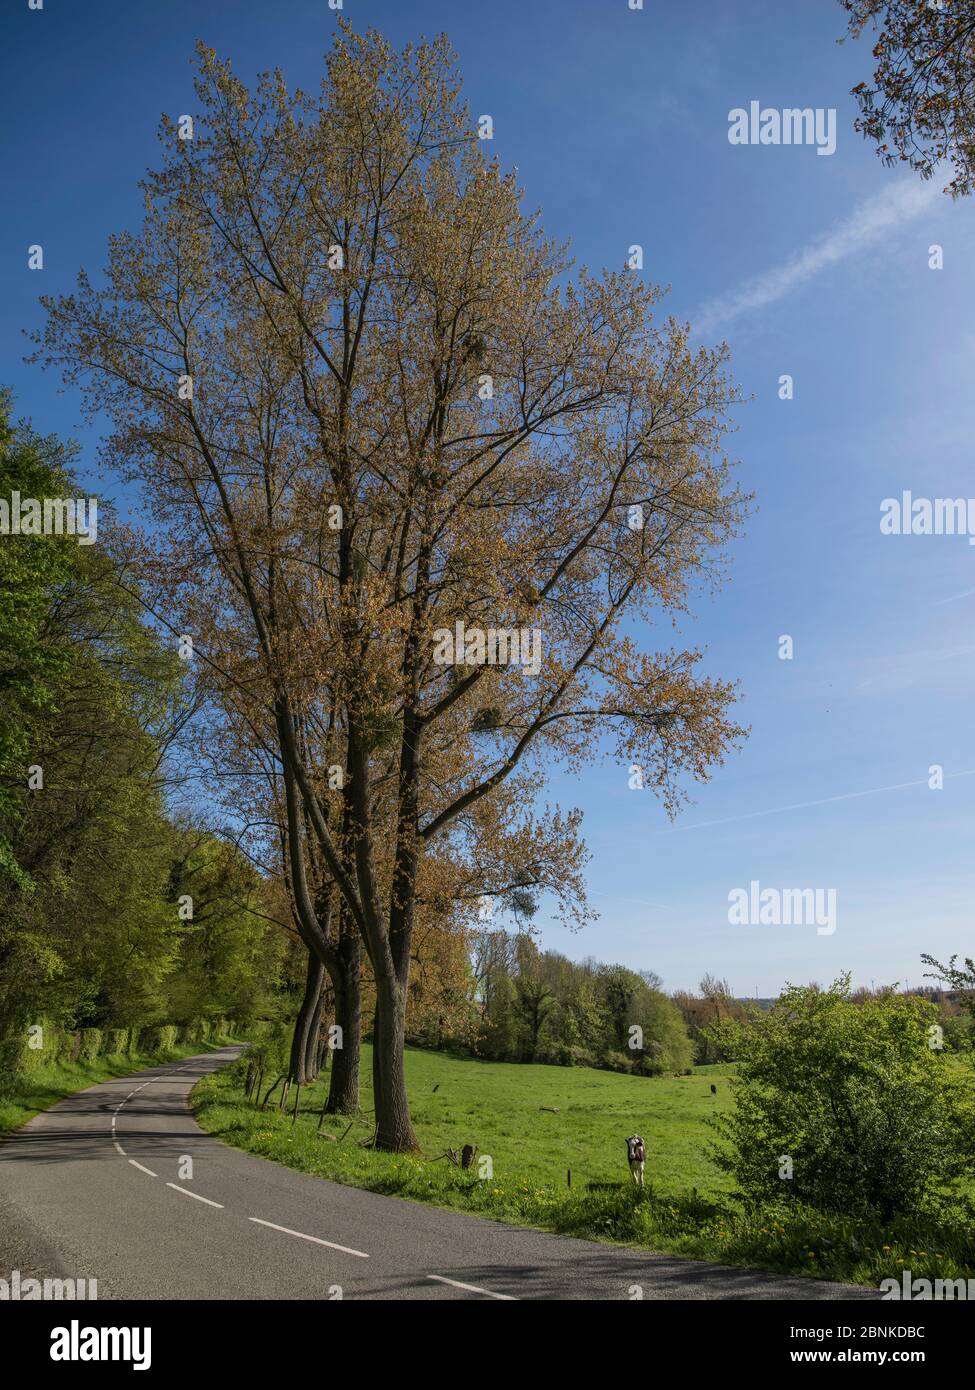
(343, 1089)
(313, 1051)
(306, 1022)
(394, 1129)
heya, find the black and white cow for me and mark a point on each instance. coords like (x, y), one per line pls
(636, 1154)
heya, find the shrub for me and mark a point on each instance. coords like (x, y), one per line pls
(845, 1107)
(648, 1066)
(554, 1054)
(581, 1056)
(91, 1044)
(616, 1061)
(159, 1037)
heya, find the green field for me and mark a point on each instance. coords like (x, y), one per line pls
(685, 1208)
(506, 1110)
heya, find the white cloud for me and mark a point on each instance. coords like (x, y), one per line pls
(870, 222)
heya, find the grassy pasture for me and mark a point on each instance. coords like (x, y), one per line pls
(685, 1209)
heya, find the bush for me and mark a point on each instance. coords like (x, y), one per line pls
(159, 1037)
(645, 1065)
(616, 1061)
(91, 1044)
(554, 1054)
(65, 1046)
(116, 1042)
(845, 1108)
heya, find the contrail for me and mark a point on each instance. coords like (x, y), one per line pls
(965, 593)
(803, 805)
(869, 222)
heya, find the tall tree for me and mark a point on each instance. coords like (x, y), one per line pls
(369, 405)
(31, 569)
(920, 106)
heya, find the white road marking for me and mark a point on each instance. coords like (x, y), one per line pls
(317, 1239)
(176, 1188)
(472, 1288)
(119, 1149)
(143, 1170)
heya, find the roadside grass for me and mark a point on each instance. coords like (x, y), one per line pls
(685, 1209)
(26, 1095)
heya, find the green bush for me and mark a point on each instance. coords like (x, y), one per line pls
(645, 1065)
(91, 1044)
(116, 1042)
(616, 1061)
(845, 1107)
(554, 1054)
(64, 1045)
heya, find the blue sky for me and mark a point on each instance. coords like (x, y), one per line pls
(808, 265)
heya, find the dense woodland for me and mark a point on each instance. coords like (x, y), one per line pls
(97, 844)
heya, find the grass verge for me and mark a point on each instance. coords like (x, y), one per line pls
(536, 1123)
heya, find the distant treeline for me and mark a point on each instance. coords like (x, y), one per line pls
(522, 1004)
(528, 1005)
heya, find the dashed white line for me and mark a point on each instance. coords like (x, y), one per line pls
(176, 1188)
(317, 1239)
(118, 1148)
(142, 1169)
(473, 1288)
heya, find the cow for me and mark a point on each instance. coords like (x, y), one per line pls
(636, 1154)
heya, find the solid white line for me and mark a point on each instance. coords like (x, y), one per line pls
(176, 1188)
(143, 1170)
(473, 1288)
(317, 1239)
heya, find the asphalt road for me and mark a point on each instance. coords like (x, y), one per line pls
(98, 1187)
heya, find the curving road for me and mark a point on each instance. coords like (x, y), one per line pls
(98, 1187)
